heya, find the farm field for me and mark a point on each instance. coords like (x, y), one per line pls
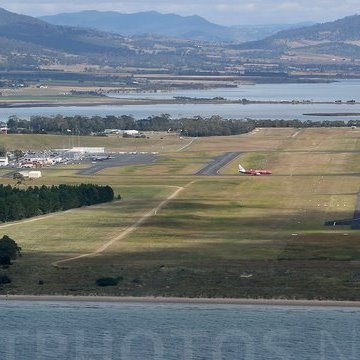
(177, 234)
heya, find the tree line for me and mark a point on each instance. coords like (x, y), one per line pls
(17, 204)
(196, 126)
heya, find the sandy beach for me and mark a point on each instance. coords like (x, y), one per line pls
(180, 300)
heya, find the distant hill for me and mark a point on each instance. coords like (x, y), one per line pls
(151, 22)
(340, 37)
(30, 43)
(20, 31)
(344, 29)
(27, 42)
(246, 33)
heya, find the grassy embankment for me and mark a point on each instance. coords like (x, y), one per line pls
(230, 235)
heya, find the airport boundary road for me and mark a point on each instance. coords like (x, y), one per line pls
(355, 224)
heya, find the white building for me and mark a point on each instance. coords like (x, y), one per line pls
(131, 132)
(113, 131)
(4, 161)
(31, 174)
(88, 150)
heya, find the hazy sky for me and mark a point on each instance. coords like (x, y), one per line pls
(231, 12)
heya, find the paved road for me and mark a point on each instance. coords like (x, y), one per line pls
(339, 223)
(355, 225)
(317, 174)
(213, 168)
(120, 160)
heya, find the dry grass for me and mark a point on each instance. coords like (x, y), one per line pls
(158, 142)
(218, 228)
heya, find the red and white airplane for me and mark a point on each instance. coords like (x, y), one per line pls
(254, 171)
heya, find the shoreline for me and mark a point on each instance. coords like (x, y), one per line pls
(181, 300)
(18, 104)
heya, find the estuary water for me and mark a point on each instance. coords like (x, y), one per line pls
(339, 90)
(73, 330)
(342, 90)
(227, 111)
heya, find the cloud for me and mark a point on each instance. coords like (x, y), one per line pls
(221, 11)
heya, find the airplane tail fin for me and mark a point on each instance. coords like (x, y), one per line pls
(241, 169)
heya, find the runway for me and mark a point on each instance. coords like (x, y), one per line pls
(119, 160)
(212, 169)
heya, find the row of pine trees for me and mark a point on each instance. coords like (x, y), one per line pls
(17, 204)
(197, 126)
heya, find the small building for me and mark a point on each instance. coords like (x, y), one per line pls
(113, 132)
(88, 150)
(4, 161)
(4, 130)
(131, 133)
(31, 174)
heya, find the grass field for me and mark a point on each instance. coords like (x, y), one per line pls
(226, 236)
(159, 142)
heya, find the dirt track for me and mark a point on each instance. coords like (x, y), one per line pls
(127, 230)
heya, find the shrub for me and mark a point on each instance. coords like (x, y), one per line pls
(108, 281)
(5, 260)
(4, 279)
(9, 249)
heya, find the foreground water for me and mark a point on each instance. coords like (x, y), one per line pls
(344, 90)
(66, 330)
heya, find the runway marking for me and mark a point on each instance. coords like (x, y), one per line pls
(295, 134)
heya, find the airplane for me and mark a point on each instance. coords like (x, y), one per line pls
(100, 157)
(254, 172)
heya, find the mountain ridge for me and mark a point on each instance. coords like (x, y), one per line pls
(193, 27)
(147, 22)
(324, 38)
(31, 42)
